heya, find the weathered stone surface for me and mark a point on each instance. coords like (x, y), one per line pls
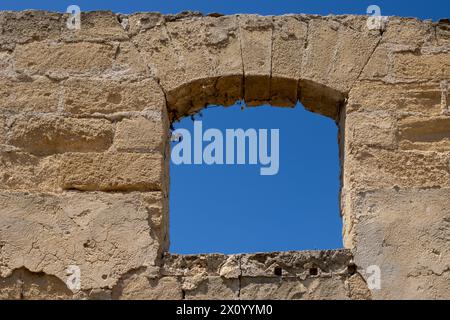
(419, 98)
(50, 135)
(23, 284)
(425, 133)
(372, 129)
(96, 26)
(407, 228)
(24, 171)
(138, 285)
(61, 60)
(195, 60)
(84, 153)
(91, 96)
(45, 233)
(407, 66)
(289, 40)
(29, 95)
(111, 171)
(293, 289)
(256, 43)
(140, 135)
(373, 168)
(27, 26)
(210, 288)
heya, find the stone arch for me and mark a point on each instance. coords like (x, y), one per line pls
(278, 60)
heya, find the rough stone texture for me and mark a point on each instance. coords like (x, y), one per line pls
(84, 152)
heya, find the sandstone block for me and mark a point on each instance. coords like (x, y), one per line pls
(138, 286)
(23, 171)
(409, 66)
(89, 96)
(405, 232)
(196, 57)
(50, 135)
(425, 133)
(46, 233)
(373, 129)
(354, 47)
(211, 288)
(98, 26)
(398, 98)
(255, 34)
(23, 284)
(321, 42)
(376, 168)
(32, 95)
(289, 40)
(112, 171)
(140, 135)
(29, 25)
(293, 289)
(60, 60)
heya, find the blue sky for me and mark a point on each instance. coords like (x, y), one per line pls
(232, 209)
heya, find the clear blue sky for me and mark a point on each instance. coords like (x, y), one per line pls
(233, 209)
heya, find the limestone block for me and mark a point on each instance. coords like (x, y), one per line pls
(255, 34)
(373, 129)
(90, 96)
(60, 60)
(98, 26)
(54, 134)
(398, 98)
(357, 288)
(379, 64)
(207, 49)
(211, 288)
(23, 171)
(23, 284)
(140, 22)
(354, 47)
(140, 135)
(294, 264)
(425, 133)
(27, 26)
(409, 66)
(104, 234)
(405, 232)
(112, 171)
(139, 287)
(319, 53)
(293, 289)
(408, 32)
(375, 168)
(192, 265)
(289, 40)
(406, 53)
(31, 95)
(196, 57)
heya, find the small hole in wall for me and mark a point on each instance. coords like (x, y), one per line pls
(313, 271)
(231, 208)
(278, 271)
(351, 269)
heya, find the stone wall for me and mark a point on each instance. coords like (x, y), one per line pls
(84, 150)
